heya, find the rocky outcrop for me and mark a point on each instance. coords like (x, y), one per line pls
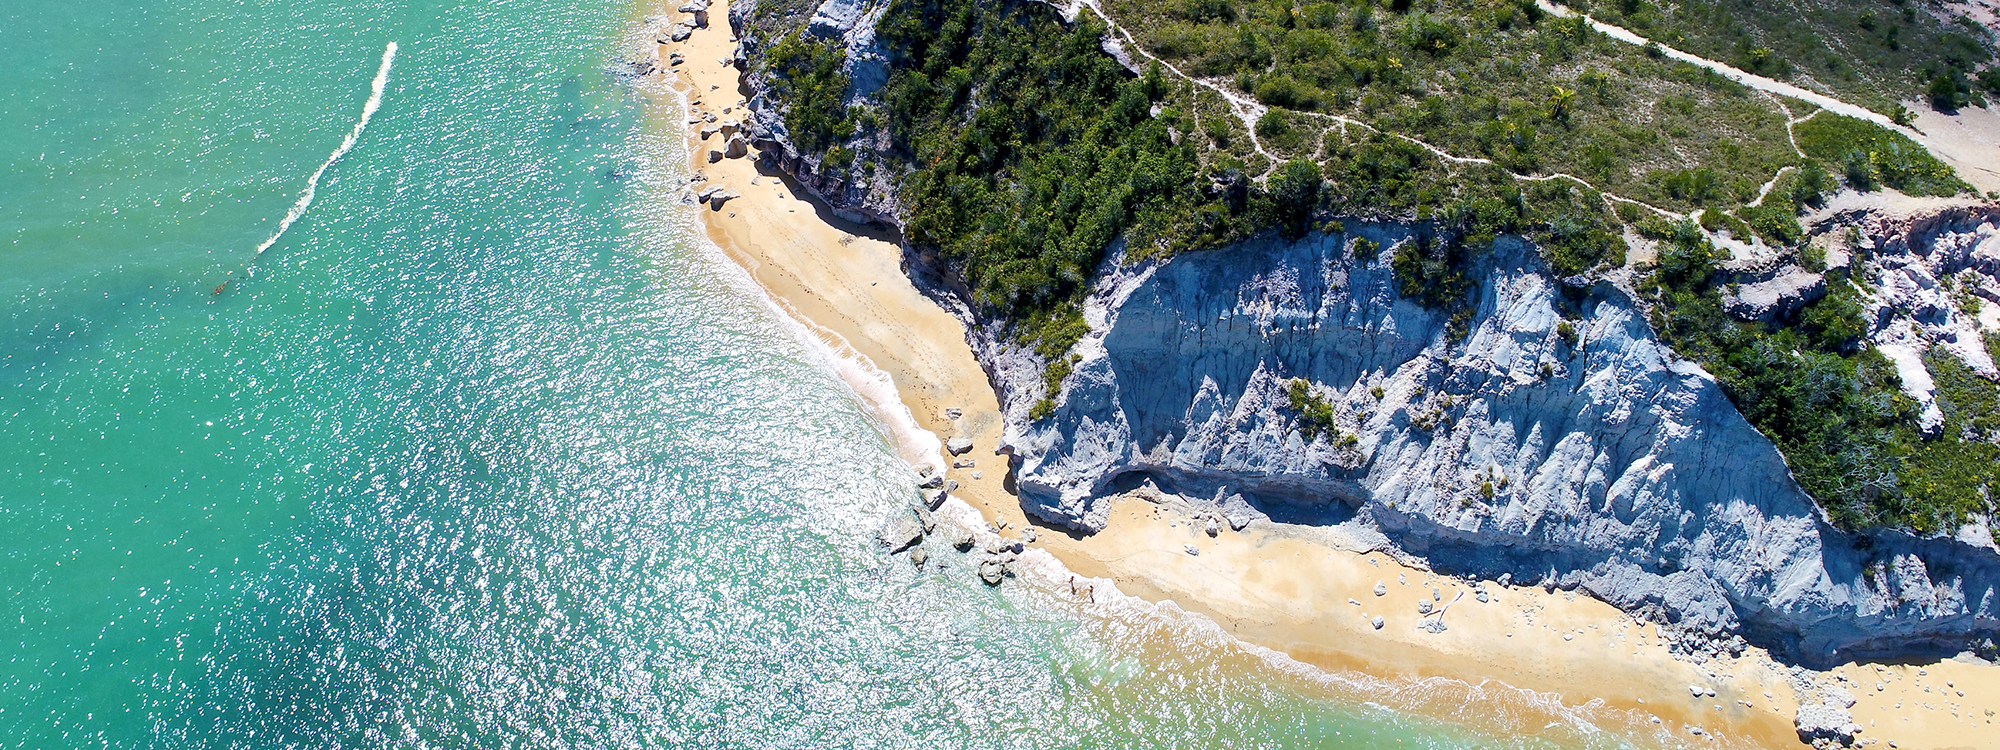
(1930, 277)
(1607, 464)
(861, 190)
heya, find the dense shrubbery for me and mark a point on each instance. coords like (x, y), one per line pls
(1834, 407)
(1870, 156)
(1032, 150)
(1315, 414)
(807, 76)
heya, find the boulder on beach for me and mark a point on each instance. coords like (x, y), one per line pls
(960, 538)
(737, 148)
(714, 156)
(680, 32)
(715, 201)
(992, 571)
(1376, 621)
(900, 533)
(1818, 722)
(958, 445)
(1381, 589)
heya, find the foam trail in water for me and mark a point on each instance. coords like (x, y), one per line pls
(312, 183)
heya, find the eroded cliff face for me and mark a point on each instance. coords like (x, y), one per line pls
(1605, 463)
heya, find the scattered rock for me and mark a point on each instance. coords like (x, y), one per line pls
(714, 156)
(978, 475)
(1480, 594)
(680, 32)
(1213, 529)
(1190, 549)
(1824, 722)
(932, 482)
(960, 538)
(715, 201)
(1376, 621)
(900, 533)
(924, 517)
(1029, 534)
(951, 485)
(737, 148)
(958, 445)
(919, 556)
(1423, 606)
(992, 571)
(963, 463)
(700, 10)
(1381, 589)
(1237, 522)
(937, 499)
(953, 412)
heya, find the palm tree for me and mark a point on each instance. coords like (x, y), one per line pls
(1559, 102)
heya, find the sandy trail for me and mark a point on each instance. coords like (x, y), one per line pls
(1307, 592)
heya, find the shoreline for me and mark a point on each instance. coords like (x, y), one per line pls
(1306, 594)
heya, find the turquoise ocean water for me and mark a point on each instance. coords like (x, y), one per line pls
(484, 451)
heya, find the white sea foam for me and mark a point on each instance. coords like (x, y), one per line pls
(312, 183)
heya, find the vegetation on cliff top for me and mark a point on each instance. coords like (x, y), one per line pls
(1022, 152)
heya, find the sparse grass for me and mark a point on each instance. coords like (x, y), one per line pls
(1869, 52)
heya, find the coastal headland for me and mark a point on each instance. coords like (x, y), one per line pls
(1306, 592)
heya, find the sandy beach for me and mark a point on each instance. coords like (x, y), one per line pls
(1306, 592)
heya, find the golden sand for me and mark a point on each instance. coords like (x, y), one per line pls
(1302, 591)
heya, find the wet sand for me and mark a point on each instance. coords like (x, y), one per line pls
(1306, 592)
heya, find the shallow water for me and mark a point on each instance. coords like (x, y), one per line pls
(485, 450)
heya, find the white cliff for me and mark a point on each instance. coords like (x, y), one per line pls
(1608, 464)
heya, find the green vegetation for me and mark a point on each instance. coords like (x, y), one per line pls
(1315, 414)
(1834, 407)
(1870, 52)
(1871, 156)
(806, 74)
(1031, 151)
(1537, 95)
